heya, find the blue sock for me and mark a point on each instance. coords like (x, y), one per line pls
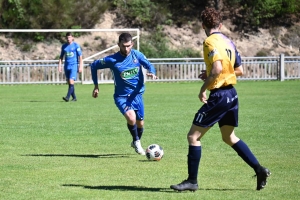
(193, 161)
(244, 152)
(140, 132)
(70, 91)
(133, 130)
(73, 93)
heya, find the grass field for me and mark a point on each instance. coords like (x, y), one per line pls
(50, 149)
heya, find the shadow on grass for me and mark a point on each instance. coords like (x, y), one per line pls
(118, 187)
(224, 189)
(141, 188)
(82, 155)
(41, 101)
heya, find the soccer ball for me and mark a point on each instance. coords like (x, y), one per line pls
(154, 152)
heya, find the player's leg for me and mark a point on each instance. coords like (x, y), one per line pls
(209, 114)
(73, 77)
(130, 116)
(67, 74)
(138, 105)
(195, 150)
(245, 153)
(140, 128)
(70, 90)
(193, 159)
(239, 146)
(227, 124)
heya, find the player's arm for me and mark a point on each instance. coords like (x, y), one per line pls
(60, 60)
(79, 54)
(238, 68)
(94, 70)
(147, 65)
(213, 75)
(97, 64)
(59, 65)
(80, 64)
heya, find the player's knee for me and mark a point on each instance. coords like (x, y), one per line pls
(192, 138)
(230, 140)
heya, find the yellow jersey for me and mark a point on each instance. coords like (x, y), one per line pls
(219, 47)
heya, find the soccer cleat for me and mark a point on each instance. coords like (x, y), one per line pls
(262, 174)
(65, 99)
(185, 185)
(138, 147)
(74, 100)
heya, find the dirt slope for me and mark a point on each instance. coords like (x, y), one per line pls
(248, 45)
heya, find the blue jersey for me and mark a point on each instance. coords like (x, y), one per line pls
(126, 70)
(71, 53)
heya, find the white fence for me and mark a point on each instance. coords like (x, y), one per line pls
(171, 69)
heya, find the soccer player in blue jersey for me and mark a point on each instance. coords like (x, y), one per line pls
(71, 53)
(223, 64)
(126, 66)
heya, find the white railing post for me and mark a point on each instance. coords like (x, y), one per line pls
(281, 67)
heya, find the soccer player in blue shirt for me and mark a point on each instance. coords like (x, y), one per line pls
(72, 54)
(126, 66)
(223, 64)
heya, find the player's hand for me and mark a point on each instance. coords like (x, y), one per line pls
(152, 76)
(203, 75)
(95, 92)
(202, 97)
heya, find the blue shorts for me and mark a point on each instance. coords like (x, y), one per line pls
(71, 72)
(222, 106)
(136, 104)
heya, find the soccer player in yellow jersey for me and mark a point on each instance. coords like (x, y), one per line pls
(223, 64)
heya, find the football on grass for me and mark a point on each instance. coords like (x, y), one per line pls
(154, 152)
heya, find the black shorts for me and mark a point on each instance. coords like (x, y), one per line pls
(222, 106)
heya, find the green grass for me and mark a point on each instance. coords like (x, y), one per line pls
(50, 149)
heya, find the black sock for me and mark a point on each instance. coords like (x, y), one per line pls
(193, 161)
(70, 91)
(133, 131)
(245, 153)
(73, 93)
(140, 132)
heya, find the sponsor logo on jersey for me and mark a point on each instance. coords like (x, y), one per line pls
(212, 53)
(127, 74)
(69, 54)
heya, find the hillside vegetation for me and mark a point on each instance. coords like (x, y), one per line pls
(246, 17)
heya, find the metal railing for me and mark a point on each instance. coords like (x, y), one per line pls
(170, 69)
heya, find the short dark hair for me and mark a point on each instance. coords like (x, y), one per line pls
(68, 34)
(211, 18)
(125, 37)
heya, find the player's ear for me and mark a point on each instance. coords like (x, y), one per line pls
(220, 26)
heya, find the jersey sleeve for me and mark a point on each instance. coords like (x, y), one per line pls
(145, 62)
(78, 50)
(62, 52)
(98, 64)
(238, 59)
(213, 53)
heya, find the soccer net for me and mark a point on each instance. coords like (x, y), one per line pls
(39, 60)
